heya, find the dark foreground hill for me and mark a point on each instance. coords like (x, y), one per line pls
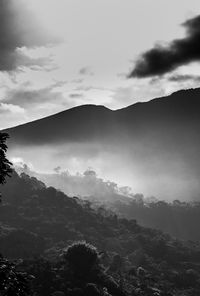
(152, 146)
(41, 221)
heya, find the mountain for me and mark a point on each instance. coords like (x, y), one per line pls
(152, 146)
(77, 124)
(90, 122)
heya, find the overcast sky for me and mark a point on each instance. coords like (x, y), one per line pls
(56, 54)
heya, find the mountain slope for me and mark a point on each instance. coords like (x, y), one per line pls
(37, 221)
(97, 122)
(152, 146)
(76, 124)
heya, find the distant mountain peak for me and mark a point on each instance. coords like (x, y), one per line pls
(97, 122)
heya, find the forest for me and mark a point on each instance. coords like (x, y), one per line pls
(53, 244)
(41, 225)
(179, 218)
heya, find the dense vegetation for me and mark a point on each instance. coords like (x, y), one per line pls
(38, 223)
(179, 219)
(5, 164)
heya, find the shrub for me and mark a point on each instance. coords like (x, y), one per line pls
(82, 258)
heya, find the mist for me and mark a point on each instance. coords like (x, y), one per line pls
(144, 170)
(152, 147)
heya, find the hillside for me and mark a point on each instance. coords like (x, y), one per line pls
(177, 111)
(179, 219)
(152, 146)
(41, 221)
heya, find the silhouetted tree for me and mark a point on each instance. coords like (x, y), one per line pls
(5, 164)
(82, 258)
(12, 282)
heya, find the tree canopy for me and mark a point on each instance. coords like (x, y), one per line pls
(5, 164)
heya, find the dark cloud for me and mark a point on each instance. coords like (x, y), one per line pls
(25, 103)
(18, 29)
(163, 59)
(182, 78)
(27, 98)
(75, 95)
(86, 71)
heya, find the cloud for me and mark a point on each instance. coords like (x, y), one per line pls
(183, 78)
(35, 64)
(86, 71)
(11, 115)
(26, 103)
(19, 29)
(123, 95)
(28, 98)
(164, 59)
(87, 88)
(76, 96)
(10, 108)
(77, 81)
(140, 91)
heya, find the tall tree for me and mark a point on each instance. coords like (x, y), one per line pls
(5, 164)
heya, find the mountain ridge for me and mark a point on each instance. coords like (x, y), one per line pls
(102, 107)
(152, 144)
(97, 118)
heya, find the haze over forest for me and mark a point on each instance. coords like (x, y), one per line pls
(152, 147)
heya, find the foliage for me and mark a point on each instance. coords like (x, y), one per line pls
(41, 221)
(82, 258)
(5, 164)
(179, 219)
(12, 281)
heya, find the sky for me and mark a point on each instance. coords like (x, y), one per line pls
(55, 55)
